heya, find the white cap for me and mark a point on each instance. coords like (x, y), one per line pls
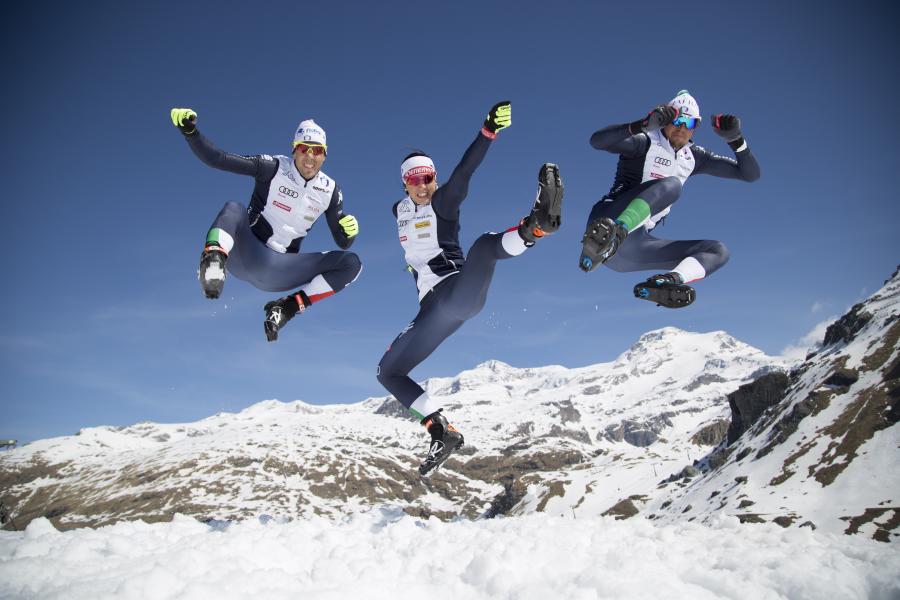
(309, 131)
(416, 165)
(685, 104)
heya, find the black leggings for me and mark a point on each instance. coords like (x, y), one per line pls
(443, 310)
(254, 262)
(643, 252)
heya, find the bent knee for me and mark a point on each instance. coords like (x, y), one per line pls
(385, 373)
(721, 251)
(351, 262)
(233, 207)
(671, 185)
(714, 255)
(348, 264)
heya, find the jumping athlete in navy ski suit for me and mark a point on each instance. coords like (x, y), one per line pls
(262, 242)
(452, 286)
(656, 157)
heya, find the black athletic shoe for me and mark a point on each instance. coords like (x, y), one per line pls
(445, 440)
(601, 240)
(212, 271)
(278, 313)
(666, 290)
(546, 214)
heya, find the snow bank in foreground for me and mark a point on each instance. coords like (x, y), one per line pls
(386, 554)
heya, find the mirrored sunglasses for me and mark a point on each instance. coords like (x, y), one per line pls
(688, 122)
(303, 148)
(415, 180)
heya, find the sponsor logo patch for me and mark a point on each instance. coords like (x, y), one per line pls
(281, 206)
(422, 224)
(402, 238)
(288, 192)
(422, 236)
(403, 223)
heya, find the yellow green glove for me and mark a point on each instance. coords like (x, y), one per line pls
(349, 225)
(499, 117)
(184, 119)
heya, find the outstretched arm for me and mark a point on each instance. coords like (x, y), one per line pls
(449, 197)
(259, 167)
(343, 227)
(743, 166)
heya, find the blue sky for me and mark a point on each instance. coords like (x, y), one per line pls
(103, 321)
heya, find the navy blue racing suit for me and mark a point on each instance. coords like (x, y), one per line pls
(263, 240)
(452, 287)
(650, 168)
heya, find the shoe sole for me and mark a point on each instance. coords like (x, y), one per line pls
(437, 464)
(549, 214)
(212, 287)
(271, 328)
(590, 258)
(212, 290)
(666, 297)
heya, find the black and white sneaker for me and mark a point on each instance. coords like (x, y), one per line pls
(546, 214)
(212, 271)
(279, 312)
(601, 240)
(666, 289)
(445, 440)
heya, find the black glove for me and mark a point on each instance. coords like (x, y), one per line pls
(499, 117)
(185, 120)
(728, 127)
(657, 118)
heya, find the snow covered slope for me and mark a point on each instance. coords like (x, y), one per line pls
(824, 448)
(601, 439)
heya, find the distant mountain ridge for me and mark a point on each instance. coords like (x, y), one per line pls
(680, 426)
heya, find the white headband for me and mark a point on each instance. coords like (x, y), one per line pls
(416, 165)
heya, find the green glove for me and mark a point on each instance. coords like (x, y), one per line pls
(349, 225)
(499, 117)
(184, 119)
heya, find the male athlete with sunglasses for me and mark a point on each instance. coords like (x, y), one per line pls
(656, 156)
(452, 286)
(262, 242)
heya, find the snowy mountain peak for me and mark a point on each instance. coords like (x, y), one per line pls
(680, 426)
(668, 338)
(269, 407)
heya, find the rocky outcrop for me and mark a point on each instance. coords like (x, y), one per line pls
(687, 473)
(845, 328)
(842, 378)
(813, 404)
(712, 433)
(567, 412)
(750, 401)
(624, 509)
(637, 433)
